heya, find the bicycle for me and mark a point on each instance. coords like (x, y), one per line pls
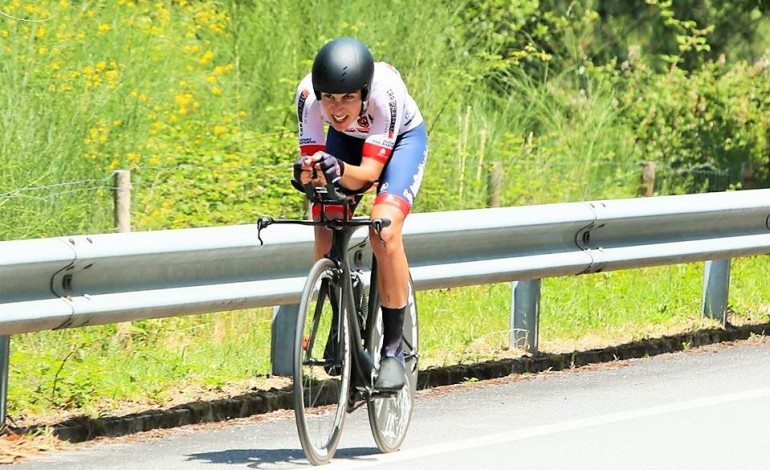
(335, 365)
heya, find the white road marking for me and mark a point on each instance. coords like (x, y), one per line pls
(519, 434)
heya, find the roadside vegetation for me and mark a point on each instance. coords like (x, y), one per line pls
(195, 99)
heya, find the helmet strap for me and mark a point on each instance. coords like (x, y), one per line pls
(364, 105)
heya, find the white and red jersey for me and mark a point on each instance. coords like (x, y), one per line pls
(390, 112)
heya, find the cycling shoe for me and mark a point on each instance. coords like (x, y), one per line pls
(391, 377)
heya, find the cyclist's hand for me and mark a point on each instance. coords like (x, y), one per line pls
(302, 168)
(331, 167)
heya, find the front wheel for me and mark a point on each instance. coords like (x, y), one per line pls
(322, 364)
(389, 416)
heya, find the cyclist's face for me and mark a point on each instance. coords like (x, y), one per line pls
(341, 108)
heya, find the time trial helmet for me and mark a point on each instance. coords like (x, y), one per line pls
(343, 65)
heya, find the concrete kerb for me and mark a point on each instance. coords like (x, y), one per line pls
(83, 429)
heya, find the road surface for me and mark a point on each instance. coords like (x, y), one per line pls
(707, 409)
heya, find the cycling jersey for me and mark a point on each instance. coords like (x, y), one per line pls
(390, 130)
(390, 112)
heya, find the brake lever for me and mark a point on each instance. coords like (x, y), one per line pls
(378, 225)
(263, 222)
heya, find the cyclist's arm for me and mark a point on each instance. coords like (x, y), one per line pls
(311, 135)
(359, 176)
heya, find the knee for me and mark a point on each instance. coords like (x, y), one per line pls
(387, 242)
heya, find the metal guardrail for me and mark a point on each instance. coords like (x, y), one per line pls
(70, 282)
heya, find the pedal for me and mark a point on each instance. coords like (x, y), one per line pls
(385, 393)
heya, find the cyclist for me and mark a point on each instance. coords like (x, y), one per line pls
(376, 137)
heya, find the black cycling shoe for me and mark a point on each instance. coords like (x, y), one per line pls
(391, 377)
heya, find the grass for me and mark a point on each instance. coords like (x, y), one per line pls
(103, 369)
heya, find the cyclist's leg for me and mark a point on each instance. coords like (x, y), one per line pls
(392, 276)
(399, 184)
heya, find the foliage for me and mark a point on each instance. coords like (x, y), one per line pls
(196, 101)
(652, 74)
(713, 118)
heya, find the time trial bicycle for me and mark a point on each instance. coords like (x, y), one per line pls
(339, 336)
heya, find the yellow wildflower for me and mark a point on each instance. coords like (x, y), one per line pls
(207, 56)
(112, 78)
(183, 99)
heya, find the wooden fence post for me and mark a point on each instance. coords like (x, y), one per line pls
(495, 184)
(747, 175)
(122, 200)
(647, 186)
(122, 215)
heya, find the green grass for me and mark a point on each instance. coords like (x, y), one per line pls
(97, 370)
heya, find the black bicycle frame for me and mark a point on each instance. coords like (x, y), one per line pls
(341, 235)
(342, 231)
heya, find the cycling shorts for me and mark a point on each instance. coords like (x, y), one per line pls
(402, 175)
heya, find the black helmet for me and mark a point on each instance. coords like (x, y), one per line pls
(343, 65)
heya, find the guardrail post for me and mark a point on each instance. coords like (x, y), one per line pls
(716, 286)
(525, 314)
(282, 344)
(5, 356)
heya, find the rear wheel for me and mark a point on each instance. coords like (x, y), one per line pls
(322, 361)
(389, 415)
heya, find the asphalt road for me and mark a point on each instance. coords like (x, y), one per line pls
(707, 409)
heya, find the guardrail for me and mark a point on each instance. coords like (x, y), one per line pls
(70, 282)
